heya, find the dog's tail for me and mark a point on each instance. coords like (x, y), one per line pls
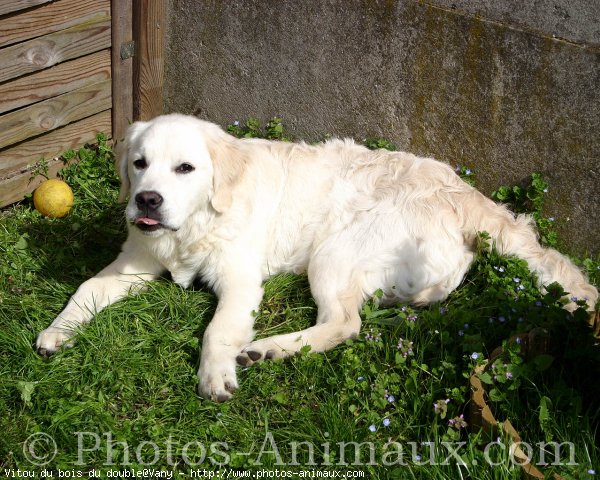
(516, 235)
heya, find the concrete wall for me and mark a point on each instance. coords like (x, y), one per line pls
(503, 87)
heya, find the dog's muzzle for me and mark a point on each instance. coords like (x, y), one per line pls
(148, 204)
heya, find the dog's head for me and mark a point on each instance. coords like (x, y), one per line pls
(173, 166)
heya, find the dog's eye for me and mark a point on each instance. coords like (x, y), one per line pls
(140, 163)
(185, 168)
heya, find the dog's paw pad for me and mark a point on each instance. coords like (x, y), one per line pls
(221, 397)
(44, 352)
(243, 360)
(270, 355)
(254, 356)
(251, 355)
(248, 357)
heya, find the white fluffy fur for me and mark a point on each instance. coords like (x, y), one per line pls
(356, 220)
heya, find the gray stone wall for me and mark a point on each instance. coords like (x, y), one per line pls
(505, 87)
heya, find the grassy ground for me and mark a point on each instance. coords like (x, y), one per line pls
(124, 398)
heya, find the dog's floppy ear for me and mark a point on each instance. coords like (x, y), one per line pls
(229, 164)
(122, 151)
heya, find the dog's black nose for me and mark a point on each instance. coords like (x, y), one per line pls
(148, 200)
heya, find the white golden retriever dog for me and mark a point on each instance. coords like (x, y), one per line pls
(233, 212)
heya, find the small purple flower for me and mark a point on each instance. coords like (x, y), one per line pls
(591, 471)
(461, 333)
(418, 458)
(443, 310)
(509, 376)
(386, 422)
(521, 287)
(439, 407)
(516, 280)
(466, 326)
(372, 428)
(236, 123)
(501, 319)
(458, 422)
(574, 299)
(373, 337)
(474, 355)
(538, 303)
(551, 219)
(391, 398)
(468, 171)
(360, 379)
(518, 340)
(405, 347)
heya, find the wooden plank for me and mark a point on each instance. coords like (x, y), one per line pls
(15, 188)
(8, 6)
(50, 18)
(149, 33)
(55, 81)
(54, 112)
(122, 68)
(43, 52)
(17, 159)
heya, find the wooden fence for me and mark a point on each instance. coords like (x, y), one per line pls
(68, 70)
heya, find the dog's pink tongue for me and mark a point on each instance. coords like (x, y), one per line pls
(146, 221)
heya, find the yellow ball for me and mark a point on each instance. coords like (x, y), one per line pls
(53, 198)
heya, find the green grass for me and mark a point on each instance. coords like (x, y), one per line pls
(129, 383)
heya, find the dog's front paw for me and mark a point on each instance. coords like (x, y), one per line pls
(52, 339)
(217, 381)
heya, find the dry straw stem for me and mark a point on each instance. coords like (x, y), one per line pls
(534, 343)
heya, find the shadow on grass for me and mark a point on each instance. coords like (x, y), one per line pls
(78, 246)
